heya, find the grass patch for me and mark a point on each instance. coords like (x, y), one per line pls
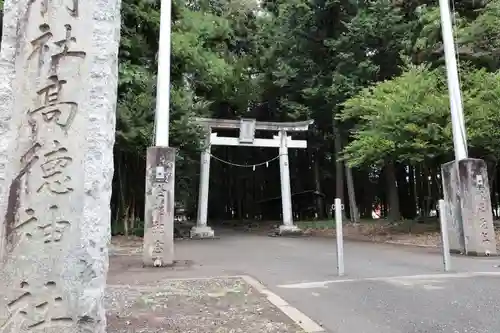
(319, 225)
(380, 225)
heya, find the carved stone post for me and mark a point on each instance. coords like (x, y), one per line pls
(58, 82)
(467, 194)
(160, 207)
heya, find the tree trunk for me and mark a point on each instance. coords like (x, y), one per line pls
(353, 208)
(239, 198)
(366, 202)
(339, 174)
(494, 188)
(133, 215)
(414, 192)
(419, 183)
(403, 191)
(491, 167)
(320, 202)
(428, 191)
(124, 204)
(437, 189)
(392, 188)
(126, 221)
(339, 170)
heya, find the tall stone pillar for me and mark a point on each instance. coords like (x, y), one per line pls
(467, 193)
(286, 192)
(160, 207)
(202, 230)
(58, 82)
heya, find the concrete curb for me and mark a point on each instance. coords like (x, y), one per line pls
(306, 323)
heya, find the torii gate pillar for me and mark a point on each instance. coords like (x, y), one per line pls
(202, 230)
(286, 191)
(247, 138)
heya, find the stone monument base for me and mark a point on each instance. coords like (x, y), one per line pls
(289, 230)
(202, 232)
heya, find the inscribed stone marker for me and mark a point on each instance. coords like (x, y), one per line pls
(477, 214)
(470, 218)
(160, 207)
(58, 81)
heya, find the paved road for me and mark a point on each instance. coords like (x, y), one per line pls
(386, 289)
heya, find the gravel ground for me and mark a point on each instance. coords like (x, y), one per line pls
(218, 305)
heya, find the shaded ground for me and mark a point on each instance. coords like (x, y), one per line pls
(407, 232)
(141, 300)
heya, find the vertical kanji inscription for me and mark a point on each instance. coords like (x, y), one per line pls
(58, 85)
(35, 308)
(70, 5)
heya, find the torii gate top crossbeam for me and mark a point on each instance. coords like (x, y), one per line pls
(299, 126)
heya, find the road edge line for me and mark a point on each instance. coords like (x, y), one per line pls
(306, 323)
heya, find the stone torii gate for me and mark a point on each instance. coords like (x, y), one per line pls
(247, 128)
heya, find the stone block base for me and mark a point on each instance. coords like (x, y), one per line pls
(202, 232)
(290, 230)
